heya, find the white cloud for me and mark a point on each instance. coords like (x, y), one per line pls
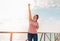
(48, 26)
(48, 3)
(13, 14)
(51, 18)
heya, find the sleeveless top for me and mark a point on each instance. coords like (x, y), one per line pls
(32, 27)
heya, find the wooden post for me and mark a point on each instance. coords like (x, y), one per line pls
(54, 37)
(44, 36)
(41, 37)
(50, 36)
(11, 36)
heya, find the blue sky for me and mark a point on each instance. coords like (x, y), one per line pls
(47, 8)
(46, 13)
(49, 12)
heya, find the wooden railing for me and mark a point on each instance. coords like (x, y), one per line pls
(42, 34)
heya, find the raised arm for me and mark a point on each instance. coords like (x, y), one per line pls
(30, 16)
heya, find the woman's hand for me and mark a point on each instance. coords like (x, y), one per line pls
(29, 5)
(37, 27)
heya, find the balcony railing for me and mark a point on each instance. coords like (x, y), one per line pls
(43, 36)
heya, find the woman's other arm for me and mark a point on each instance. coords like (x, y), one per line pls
(37, 26)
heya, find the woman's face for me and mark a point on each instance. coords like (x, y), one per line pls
(35, 18)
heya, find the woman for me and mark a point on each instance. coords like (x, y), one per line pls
(33, 26)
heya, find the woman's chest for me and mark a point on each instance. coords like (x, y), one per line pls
(34, 24)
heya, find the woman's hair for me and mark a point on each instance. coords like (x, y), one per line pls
(37, 16)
